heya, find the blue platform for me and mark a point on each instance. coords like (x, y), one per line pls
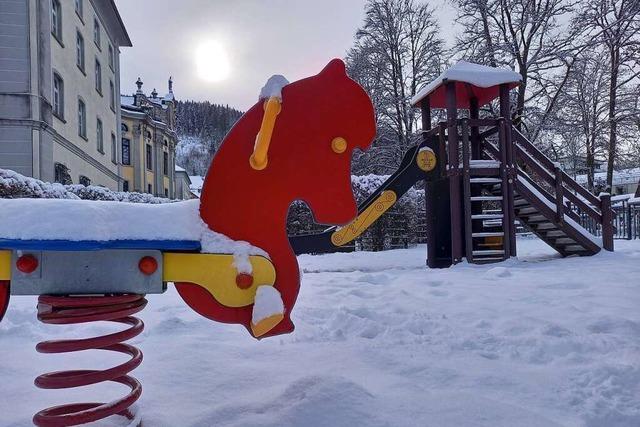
(96, 245)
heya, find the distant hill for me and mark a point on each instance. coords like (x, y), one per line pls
(201, 126)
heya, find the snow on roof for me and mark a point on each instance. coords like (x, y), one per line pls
(620, 177)
(179, 169)
(196, 184)
(473, 80)
(273, 87)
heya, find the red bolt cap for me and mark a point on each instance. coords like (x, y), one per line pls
(27, 264)
(244, 280)
(148, 265)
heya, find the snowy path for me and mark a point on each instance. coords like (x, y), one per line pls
(382, 341)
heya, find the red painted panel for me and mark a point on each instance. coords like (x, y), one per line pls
(464, 92)
(4, 298)
(252, 205)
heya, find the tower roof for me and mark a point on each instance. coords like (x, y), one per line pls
(471, 80)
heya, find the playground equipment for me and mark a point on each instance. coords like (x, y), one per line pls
(295, 145)
(465, 170)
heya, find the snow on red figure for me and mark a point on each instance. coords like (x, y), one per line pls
(321, 120)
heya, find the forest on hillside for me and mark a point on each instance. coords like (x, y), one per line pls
(201, 126)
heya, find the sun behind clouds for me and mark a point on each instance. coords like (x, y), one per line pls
(212, 61)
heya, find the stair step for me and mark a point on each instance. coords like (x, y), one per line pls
(484, 163)
(574, 248)
(520, 202)
(485, 198)
(487, 216)
(527, 210)
(545, 226)
(536, 218)
(555, 233)
(485, 180)
(565, 241)
(488, 252)
(488, 260)
(488, 234)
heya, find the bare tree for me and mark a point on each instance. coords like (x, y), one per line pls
(527, 35)
(397, 50)
(615, 25)
(580, 118)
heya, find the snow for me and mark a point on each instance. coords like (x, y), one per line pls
(380, 341)
(82, 220)
(468, 72)
(180, 169)
(197, 182)
(620, 177)
(268, 302)
(273, 87)
(567, 219)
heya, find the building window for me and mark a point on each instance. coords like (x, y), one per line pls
(112, 95)
(148, 134)
(125, 185)
(149, 157)
(58, 96)
(61, 174)
(165, 142)
(114, 148)
(83, 180)
(82, 119)
(99, 137)
(79, 7)
(80, 51)
(96, 32)
(126, 151)
(98, 77)
(56, 19)
(149, 189)
(165, 163)
(112, 58)
(124, 128)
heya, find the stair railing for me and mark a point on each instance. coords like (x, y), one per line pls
(597, 209)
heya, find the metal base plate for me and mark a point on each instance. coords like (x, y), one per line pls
(87, 272)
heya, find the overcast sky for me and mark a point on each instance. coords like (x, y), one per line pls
(261, 38)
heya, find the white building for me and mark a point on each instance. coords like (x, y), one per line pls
(59, 87)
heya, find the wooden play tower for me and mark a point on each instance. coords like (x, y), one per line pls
(489, 175)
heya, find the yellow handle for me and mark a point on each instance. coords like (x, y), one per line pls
(258, 159)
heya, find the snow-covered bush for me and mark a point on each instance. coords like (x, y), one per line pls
(400, 226)
(14, 186)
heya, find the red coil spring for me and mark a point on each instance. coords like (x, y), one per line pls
(63, 310)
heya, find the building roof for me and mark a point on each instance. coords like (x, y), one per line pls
(472, 80)
(110, 14)
(180, 169)
(620, 177)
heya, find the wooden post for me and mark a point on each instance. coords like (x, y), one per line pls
(512, 173)
(607, 221)
(429, 197)
(466, 185)
(559, 195)
(507, 213)
(476, 143)
(629, 222)
(454, 172)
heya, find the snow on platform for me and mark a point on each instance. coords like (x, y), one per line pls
(380, 341)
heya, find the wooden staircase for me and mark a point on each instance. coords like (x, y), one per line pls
(496, 191)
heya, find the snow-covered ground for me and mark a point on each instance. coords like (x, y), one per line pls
(381, 341)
